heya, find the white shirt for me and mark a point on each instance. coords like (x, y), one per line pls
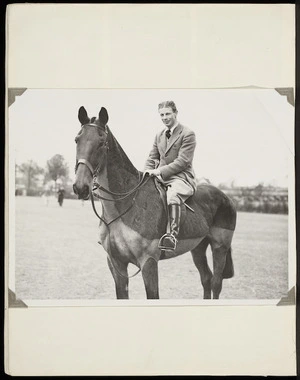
(172, 129)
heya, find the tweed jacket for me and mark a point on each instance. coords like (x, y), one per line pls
(174, 156)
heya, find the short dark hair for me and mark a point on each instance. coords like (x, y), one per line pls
(168, 103)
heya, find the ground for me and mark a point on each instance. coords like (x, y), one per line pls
(57, 257)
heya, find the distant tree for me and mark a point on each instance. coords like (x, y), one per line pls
(30, 171)
(259, 189)
(56, 168)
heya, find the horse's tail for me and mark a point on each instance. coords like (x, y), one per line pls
(228, 271)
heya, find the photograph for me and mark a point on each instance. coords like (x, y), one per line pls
(180, 196)
(150, 211)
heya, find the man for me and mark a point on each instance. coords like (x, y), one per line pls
(61, 194)
(170, 160)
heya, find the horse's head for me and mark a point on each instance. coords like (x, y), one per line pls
(91, 150)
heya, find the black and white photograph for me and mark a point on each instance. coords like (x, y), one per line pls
(109, 206)
(150, 190)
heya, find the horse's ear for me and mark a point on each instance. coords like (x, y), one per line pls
(82, 116)
(103, 116)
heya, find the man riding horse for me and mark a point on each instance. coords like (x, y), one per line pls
(170, 160)
(133, 217)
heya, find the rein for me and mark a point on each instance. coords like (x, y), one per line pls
(125, 195)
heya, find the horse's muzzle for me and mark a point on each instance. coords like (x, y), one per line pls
(82, 192)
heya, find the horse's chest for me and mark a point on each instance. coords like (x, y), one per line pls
(121, 240)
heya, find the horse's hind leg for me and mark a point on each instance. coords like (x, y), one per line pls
(121, 281)
(220, 241)
(200, 260)
(150, 277)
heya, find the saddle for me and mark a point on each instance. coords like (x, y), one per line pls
(162, 191)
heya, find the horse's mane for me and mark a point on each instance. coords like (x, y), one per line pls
(121, 173)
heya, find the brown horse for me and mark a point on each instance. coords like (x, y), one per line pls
(134, 217)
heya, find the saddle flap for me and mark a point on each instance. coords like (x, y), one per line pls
(162, 190)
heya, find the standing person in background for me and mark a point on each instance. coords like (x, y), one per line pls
(61, 195)
(170, 160)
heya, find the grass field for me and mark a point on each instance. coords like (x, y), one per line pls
(57, 257)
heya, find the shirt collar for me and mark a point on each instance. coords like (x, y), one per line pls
(172, 129)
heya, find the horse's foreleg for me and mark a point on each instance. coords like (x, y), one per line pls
(150, 277)
(121, 281)
(200, 260)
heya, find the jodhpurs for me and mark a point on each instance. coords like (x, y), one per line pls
(178, 190)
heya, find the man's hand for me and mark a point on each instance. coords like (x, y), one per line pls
(153, 172)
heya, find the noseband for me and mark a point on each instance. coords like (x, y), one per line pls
(86, 163)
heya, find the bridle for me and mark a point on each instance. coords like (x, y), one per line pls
(121, 196)
(97, 186)
(86, 162)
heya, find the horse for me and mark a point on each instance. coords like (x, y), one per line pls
(134, 216)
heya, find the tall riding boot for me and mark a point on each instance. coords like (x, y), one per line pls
(169, 240)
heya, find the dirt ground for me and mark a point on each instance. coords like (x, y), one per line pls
(57, 257)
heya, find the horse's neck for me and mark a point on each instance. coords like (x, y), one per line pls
(122, 176)
(118, 176)
(109, 208)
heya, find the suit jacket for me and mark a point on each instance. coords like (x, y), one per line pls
(174, 156)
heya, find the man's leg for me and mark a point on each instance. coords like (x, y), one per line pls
(174, 218)
(177, 192)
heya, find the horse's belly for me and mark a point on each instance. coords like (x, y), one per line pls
(130, 246)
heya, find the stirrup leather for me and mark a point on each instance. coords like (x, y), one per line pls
(163, 246)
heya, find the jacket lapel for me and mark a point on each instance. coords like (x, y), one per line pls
(164, 140)
(175, 135)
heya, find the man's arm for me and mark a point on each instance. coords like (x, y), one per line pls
(153, 157)
(184, 159)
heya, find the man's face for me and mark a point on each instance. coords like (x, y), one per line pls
(168, 117)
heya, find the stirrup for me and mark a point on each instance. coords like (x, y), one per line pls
(163, 246)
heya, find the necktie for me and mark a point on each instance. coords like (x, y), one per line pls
(168, 133)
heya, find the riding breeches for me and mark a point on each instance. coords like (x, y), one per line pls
(178, 190)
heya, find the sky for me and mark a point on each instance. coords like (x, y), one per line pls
(243, 135)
